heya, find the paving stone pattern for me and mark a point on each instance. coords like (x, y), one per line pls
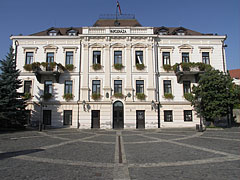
(120, 154)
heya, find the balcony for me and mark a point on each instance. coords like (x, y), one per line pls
(183, 70)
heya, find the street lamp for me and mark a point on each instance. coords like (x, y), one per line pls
(40, 120)
(201, 124)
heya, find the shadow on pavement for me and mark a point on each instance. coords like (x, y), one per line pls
(18, 153)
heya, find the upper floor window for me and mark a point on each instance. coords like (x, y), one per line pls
(50, 57)
(167, 87)
(72, 33)
(166, 58)
(29, 58)
(96, 86)
(205, 58)
(48, 88)
(139, 57)
(117, 86)
(168, 116)
(181, 32)
(186, 87)
(139, 86)
(187, 115)
(69, 57)
(52, 33)
(96, 57)
(117, 57)
(27, 86)
(185, 57)
(68, 87)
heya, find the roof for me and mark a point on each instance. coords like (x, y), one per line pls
(235, 73)
(174, 30)
(121, 22)
(60, 31)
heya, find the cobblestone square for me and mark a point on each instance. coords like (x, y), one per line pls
(120, 154)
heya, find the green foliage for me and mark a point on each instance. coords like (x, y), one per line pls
(140, 66)
(186, 66)
(118, 66)
(188, 96)
(69, 67)
(214, 95)
(189, 66)
(12, 105)
(68, 96)
(96, 96)
(167, 67)
(28, 67)
(168, 96)
(49, 66)
(27, 96)
(47, 96)
(141, 96)
(35, 66)
(97, 66)
(118, 95)
(175, 66)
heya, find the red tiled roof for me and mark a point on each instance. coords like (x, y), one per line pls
(235, 73)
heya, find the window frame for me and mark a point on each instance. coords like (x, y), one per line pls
(165, 112)
(186, 86)
(168, 60)
(185, 115)
(206, 59)
(65, 113)
(185, 59)
(136, 57)
(51, 58)
(68, 86)
(27, 61)
(96, 87)
(167, 87)
(139, 86)
(25, 88)
(68, 60)
(98, 57)
(48, 88)
(117, 87)
(117, 58)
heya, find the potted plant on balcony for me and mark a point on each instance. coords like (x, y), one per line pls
(96, 96)
(140, 66)
(27, 96)
(188, 96)
(69, 67)
(36, 66)
(96, 66)
(167, 67)
(185, 66)
(118, 66)
(168, 96)
(28, 67)
(47, 96)
(118, 95)
(141, 96)
(68, 96)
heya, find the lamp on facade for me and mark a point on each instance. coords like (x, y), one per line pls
(153, 105)
(86, 106)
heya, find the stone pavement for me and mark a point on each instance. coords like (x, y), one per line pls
(120, 154)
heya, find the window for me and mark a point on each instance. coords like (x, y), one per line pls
(168, 117)
(117, 86)
(181, 32)
(72, 33)
(67, 114)
(139, 57)
(68, 87)
(48, 88)
(139, 86)
(52, 33)
(29, 58)
(27, 86)
(205, 58)
(69, 57)
(96, 86)
(167, 87)
(186, 87)
(187, 115)
(185, 57)
(117, 57)
(50, 57)
(96, 57)
(166, 58)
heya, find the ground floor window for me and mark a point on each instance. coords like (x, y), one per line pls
(188, 115)
(168, 116)
(67, 120)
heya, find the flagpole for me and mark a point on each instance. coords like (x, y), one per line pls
(116, 12)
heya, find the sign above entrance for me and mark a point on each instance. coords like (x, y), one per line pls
(118, 31)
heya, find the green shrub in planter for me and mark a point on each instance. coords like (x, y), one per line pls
(186, 66)
(97, 66)
(188, 96)
(140, 66)
(118, 66)
(28, 67)
(47, 96)
(168, 96)
(36, 66)
(68, 96)
(118, 95)
(167, 67)
(96, 96)
(69, 67)
(27, 96)
(175, 67)
(141, 96)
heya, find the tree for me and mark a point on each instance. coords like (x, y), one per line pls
(12, 104)
(215, 95)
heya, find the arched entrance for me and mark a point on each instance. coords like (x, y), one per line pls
(118, 120)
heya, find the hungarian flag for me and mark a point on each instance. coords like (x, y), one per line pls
(118, 5)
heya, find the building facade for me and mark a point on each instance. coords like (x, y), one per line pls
(115, 74)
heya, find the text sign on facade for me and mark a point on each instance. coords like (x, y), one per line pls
(119, 31)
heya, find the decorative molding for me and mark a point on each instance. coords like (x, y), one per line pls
(96, 45)
(117, 45)
(75, 48)
(185, 47)
(139, 45)
(205, 48)
(30, 49)
(161, 48)
(50, 47)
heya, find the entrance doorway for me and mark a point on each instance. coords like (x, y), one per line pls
(118, 120)
(140, 119)
(95, 119)
(47, 117)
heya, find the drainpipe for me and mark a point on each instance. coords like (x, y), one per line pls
(223, 54)
(79, 84)
(157, 80)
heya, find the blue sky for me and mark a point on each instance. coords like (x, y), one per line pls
(206, 16)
